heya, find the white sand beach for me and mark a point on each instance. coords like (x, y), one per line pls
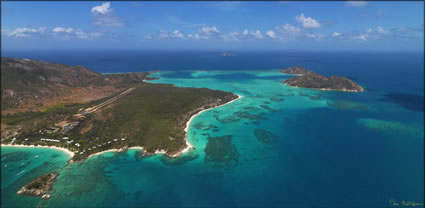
(115, 150)
(188, 144)
(67, 151)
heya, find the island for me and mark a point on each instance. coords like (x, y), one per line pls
(39, 186)
(86, 113)
(228, 53)
(309, 79)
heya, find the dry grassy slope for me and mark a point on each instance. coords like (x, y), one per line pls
(29, 85)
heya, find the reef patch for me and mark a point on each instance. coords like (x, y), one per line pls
(392, 127)
(264, 136)
(221, 152)
(347, 105)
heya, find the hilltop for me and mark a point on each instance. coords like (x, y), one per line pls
(31, 85)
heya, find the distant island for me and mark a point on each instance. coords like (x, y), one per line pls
(309, 79)
(228, 53)
(86, 113)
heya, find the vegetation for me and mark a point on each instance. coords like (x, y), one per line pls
(150, 115)
(40, 185)
(317, 81)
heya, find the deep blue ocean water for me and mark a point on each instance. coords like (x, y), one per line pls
(276, 146)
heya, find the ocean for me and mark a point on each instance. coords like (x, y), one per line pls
(276, 146)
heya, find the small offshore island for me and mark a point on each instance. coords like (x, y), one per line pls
(309, 79)
(39, 186)
(85, 113)
(228, 53)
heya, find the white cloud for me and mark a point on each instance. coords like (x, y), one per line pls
(316, 36)
(291, 28)
(232, 36)
(307, 22)
(148, 36)
(61, 33)
(61, 29)
(257, 34)
(336, 34)
(372, 34)
(177, 34)
(102, 9)
(87, 35)
(208, 32)
(359, 4)
(246, 34)
(25, 32)
(104, 15)
(381, 30)
(288, 31)
(271, 34)
(362, 37)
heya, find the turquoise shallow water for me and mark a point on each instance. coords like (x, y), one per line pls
(277, 145)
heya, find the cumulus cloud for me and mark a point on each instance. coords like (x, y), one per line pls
(87, 35)
(271, 34)
(22, 32)
(177, 34)
(288, 32)
(246, 34)
(362, 37)
(257, 34)
(232, 36)
(104, 15)
(207, 32)
(358, 4)
(307, 22)
(61, 29)
(336, 34)
(62, 33)
(370, 33)
(164, 34)
(316, 36)
(102, 9)
(382, 31)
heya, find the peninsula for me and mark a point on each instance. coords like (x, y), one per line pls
(72, 107)
(309, 79)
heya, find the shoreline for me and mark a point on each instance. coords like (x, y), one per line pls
(325, 89)
(114, 150)
(188, 147)
(66, 151)
(186, 129)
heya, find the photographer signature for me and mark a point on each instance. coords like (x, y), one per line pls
(404, 203)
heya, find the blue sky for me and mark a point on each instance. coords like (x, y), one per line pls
(388, 26)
